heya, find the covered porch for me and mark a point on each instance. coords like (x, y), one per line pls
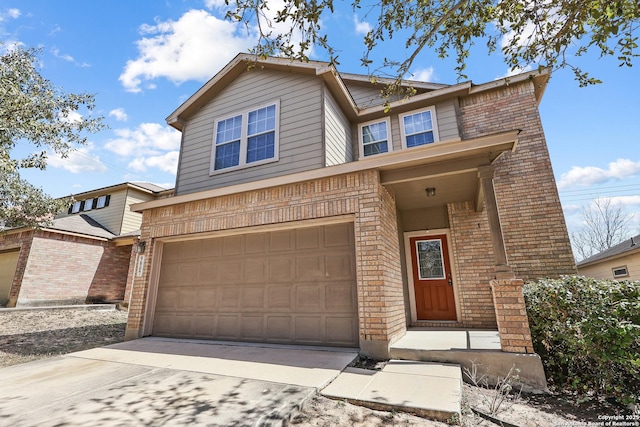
(455, 267)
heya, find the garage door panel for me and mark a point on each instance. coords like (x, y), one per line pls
(290, 286)
(340, 296)
(279, 297)
(310, 267)
(309, 329)
(228, 326)
(252, 327)
(281, 269)
(253, 297)
(279, 328)
(342, 330)
(308, 238)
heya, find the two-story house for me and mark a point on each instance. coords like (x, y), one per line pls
(307, 212)
(82, 256)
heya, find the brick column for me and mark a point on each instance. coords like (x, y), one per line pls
(511, 316)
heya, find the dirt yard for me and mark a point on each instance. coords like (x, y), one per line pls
(31, 335)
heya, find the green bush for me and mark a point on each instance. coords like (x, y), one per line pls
(587, 333)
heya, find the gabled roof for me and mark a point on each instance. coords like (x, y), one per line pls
(146, 187)
(335, 81)
(627, 247)
(80, 224)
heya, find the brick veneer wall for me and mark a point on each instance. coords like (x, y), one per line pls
(20, 241)
(66, 269)
(380, 291)
(474, 264)
(534, 230)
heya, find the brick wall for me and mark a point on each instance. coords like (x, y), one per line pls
(20, 241)
(65, 269)
(474, 264)
(534, 230)
(380, 293)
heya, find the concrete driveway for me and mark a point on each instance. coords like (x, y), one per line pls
(156, 381)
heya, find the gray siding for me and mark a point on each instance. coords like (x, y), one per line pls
(338, 144)
(365, 96)
(447, 120)
(300, 138)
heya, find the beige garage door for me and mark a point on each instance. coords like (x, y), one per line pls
(293, 286)
(8, 263)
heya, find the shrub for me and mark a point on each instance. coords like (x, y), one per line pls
(587, 333)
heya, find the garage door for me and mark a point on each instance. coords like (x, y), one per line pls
(8, 263)
(292, 286)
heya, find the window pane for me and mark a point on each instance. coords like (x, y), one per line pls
(227, 155)
(262, 120)
(375, 148)
(261, 147)
(430, 259)
(419, 139)
(419, 122)
(101, 202)
(88, 204)
(229, 130)
(374, 132)
(76, 207)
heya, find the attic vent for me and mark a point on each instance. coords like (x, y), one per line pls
(632, 242)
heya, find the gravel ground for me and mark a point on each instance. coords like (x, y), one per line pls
(39, 334)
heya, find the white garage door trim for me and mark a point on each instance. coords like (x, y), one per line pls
(9, 264)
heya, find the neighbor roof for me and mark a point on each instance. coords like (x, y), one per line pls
(626, 247)
(142, 186)
(80, 224)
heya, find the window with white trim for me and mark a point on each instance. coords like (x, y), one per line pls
(375, 137)
(419, 128)
(246, 139)
(620, 272)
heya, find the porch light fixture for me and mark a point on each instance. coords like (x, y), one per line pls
(431, 191)
(140, 247)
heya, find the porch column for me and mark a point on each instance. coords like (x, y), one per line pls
(485, 175)
(511, 316)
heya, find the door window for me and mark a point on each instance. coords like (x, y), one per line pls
(429, 255)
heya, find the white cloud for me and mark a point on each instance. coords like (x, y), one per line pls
(515, 71)
(215, 4)
(362, 27)
(80, 160)
(11, 13)
(195, 46)
(423, 75)
(119, 114)
(167, 162)
(146, 139)
(150, 145)
(625, 200)
(66, 57)
(591, 175)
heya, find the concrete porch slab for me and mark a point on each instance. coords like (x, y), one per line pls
(467, 348)
(429, 389)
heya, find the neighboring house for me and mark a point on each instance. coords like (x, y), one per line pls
(305, 212)
(620, 262)
(83, 256)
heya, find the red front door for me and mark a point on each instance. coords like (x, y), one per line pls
(432, 278)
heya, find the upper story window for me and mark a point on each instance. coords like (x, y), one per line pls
(246, 139)
(102, 202)
(374, 138)
(89, 204)
(418, 128)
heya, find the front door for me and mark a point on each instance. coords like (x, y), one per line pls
(432, 278)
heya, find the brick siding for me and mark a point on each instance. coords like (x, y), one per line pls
(380, 291)
(55, 268)
(533, 226)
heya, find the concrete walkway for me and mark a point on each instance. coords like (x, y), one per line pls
(167, 382)
(432, 390)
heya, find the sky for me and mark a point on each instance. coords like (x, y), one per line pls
(143, 58)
